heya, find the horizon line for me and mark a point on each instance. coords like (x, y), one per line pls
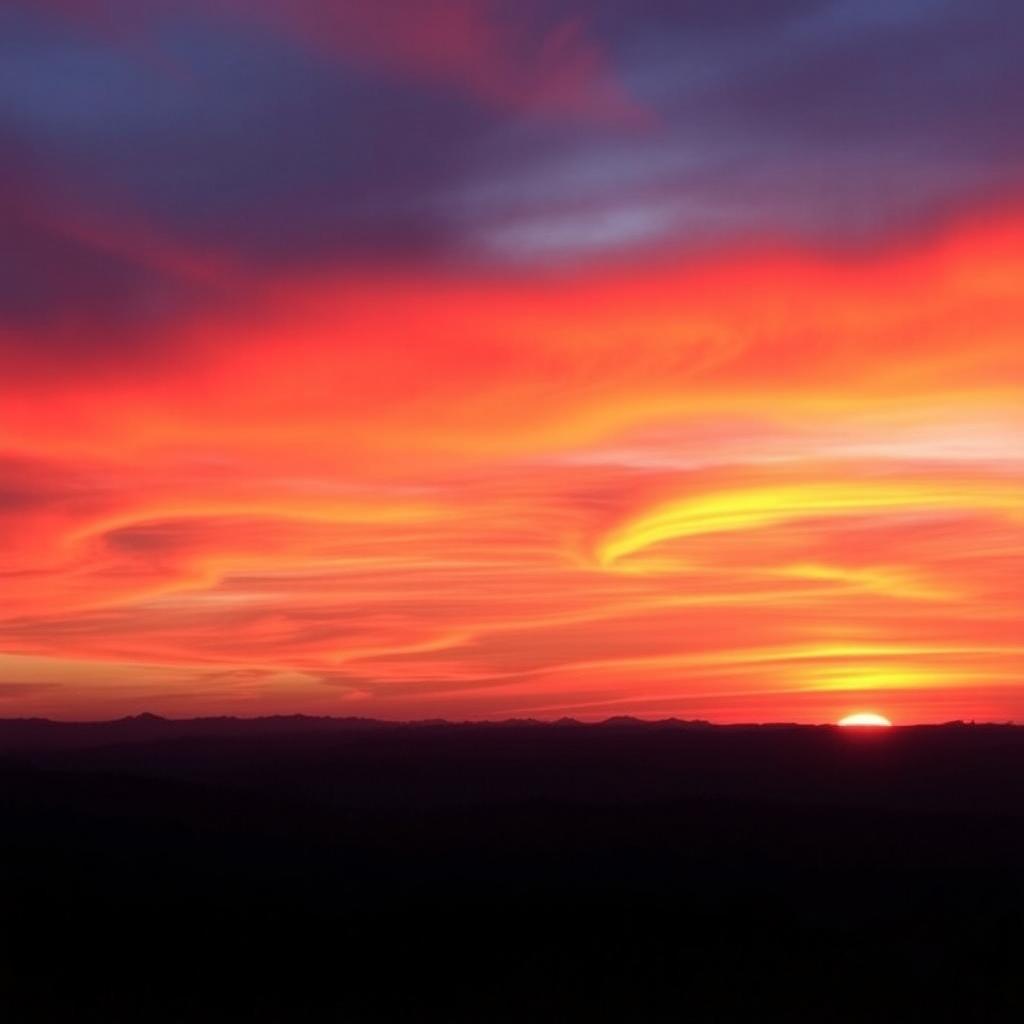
(149, 716)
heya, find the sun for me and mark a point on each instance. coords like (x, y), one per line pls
(865, 718)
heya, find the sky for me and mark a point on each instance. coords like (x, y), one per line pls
(488, 359)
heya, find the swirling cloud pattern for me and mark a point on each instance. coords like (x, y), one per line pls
(363, 360)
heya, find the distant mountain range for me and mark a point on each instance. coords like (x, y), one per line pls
(18, 734)
(43, 733)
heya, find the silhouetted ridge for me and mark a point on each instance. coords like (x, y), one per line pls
(706, 859)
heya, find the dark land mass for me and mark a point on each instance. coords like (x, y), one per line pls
(305, 869)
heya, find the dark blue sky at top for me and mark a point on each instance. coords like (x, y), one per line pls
(141, 138)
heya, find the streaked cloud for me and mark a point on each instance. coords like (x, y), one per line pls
(585, 358)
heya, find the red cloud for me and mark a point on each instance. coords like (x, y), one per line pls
(690, 489)
(524, 60)
(472, 44)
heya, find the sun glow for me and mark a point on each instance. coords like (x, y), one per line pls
(862, 718)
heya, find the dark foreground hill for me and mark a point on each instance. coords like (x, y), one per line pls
(332, 870)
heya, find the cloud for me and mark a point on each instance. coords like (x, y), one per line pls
(409, 134)
(529, 57)
(523, 59)
(533, 366)
(371, 355)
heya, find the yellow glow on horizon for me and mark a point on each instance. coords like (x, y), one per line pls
(862, 718)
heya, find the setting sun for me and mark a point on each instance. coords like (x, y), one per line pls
(865, 718)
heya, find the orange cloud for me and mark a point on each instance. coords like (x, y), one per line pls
(747, 488)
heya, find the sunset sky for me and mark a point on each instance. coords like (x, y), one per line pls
(483, 359)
